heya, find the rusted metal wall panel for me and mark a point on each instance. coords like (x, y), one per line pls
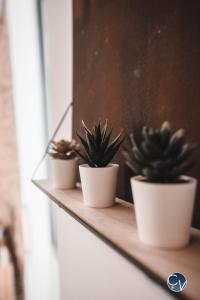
(138, 62)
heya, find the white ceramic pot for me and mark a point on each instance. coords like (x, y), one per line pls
(164, 211)
(63, 173)
(99, 185)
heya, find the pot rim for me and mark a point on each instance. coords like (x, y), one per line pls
(86, 166)
(63, 160)
(188, 180)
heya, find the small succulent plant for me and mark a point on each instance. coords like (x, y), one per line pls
(159, 155)
(63, 149)
(98, 150)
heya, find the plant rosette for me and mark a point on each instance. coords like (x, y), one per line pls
(64, 164)
(164, 211)
(99, 175)
(163, 197)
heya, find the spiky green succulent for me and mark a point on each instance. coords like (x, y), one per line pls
(98, 150)
(159, 155)
(63, 149)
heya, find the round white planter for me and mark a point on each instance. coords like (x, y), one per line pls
(164, 211)
(99, 185)
(63, 173)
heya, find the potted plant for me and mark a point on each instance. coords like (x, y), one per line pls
(63, 163)
(98, 175)
(163, 195)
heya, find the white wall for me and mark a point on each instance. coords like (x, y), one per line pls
(94, 271)
(57, 24)
(57, 27)
(40, 267)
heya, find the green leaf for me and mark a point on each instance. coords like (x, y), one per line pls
(134, 166)
(84, 143)
(165, 132)
(86, 128)
(85, 157)
(106, 141)
(98, 136)
(104, 130)
(150, 150)
(91, 143)
(116, 140)
(151, 174)
(110, 153)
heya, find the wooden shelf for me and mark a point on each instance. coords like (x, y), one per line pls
(117, 227)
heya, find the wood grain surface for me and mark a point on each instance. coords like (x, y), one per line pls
(117, 226)
(138, 62)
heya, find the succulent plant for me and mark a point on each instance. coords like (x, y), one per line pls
(159, 155)
(63, 149)
(98, 150)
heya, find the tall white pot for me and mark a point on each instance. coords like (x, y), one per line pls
(63, 173)
(164, 211)
(99, 185)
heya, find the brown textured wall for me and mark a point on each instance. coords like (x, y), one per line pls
(138, 62)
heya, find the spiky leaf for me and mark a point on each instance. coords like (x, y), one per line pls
(98, 149)
(160, 155)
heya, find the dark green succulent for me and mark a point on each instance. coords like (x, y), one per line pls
(63, 149)
(159, 155)
(98, 150)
